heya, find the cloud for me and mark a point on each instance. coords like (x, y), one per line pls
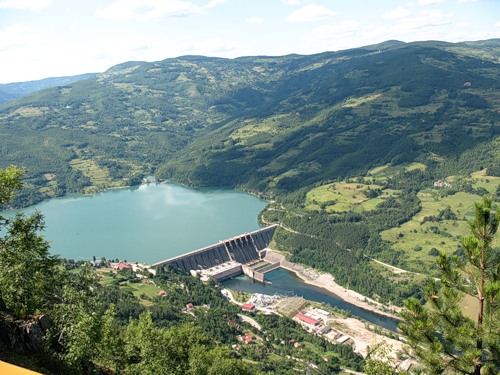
(25, 4)
(14, 36)
(423, 25)
(255, 20)
(337, 36)
(146, 10)
(430, 19)
(399, 12)
(497, 24)
(213, 3)
(209, 47)
(311, 12)
(428, 2)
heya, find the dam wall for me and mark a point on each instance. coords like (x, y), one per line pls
(243, 249)
(227, 273)
(270, 268)
(253, 274)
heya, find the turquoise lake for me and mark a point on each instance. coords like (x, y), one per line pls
(146, 224)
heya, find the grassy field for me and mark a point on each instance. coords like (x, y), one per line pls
(352, 196)
(345, 196)
(141, 289)
(383, 172)
(420, 236)
(98, 176)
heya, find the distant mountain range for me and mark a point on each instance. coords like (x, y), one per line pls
(10, 91)
(270, 124)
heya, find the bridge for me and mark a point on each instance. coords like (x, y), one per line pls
(244, 249)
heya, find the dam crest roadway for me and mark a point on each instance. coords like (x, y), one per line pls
(229, 258)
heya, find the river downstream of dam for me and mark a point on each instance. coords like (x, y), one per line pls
(284, 282)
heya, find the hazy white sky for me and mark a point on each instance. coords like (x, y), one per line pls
(48, 38)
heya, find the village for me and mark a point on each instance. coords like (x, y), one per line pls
(332, 326)
(322, 320)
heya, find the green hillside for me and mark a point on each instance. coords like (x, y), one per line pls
(262, 123)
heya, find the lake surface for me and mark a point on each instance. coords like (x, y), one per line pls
(285, 282)
(146, 224)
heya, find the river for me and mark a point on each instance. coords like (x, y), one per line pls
(285, 282)
(146, 224)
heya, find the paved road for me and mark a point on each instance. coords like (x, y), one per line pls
(251, 321)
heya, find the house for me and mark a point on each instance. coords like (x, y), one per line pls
(297, 344)
(189, 306)
(306, 319)
(121, 266)
(162, 293)
(248, 307)
(441, 183)
(247, 338)
(323, 312)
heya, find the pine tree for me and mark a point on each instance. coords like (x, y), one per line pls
(441, 336)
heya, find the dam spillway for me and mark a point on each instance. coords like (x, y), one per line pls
(237, 251)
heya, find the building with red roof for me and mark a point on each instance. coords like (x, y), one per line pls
(248, 307)
(121, 266)
(306, 319)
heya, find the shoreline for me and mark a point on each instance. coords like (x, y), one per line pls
(326, 281)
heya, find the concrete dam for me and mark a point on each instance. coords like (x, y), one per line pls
(228, 258)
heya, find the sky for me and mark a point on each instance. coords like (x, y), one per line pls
(53, 38)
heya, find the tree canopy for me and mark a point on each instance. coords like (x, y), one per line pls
(442, 337)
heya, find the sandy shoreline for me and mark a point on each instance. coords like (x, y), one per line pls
(326, 281)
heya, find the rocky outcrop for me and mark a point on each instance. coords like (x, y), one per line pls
(23, 336)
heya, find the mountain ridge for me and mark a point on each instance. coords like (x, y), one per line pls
(14, 90)
(261, 123)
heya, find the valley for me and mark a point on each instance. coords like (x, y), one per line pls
(370, 161)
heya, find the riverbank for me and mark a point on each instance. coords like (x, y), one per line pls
(327, 282)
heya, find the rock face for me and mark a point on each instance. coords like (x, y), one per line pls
(23, 336)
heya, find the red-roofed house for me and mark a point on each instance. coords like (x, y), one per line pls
(247, 338)
(121, 266)
(248, 307)
(306, 319)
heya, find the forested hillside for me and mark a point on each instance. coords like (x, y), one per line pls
(269, 124)
(283, 127)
